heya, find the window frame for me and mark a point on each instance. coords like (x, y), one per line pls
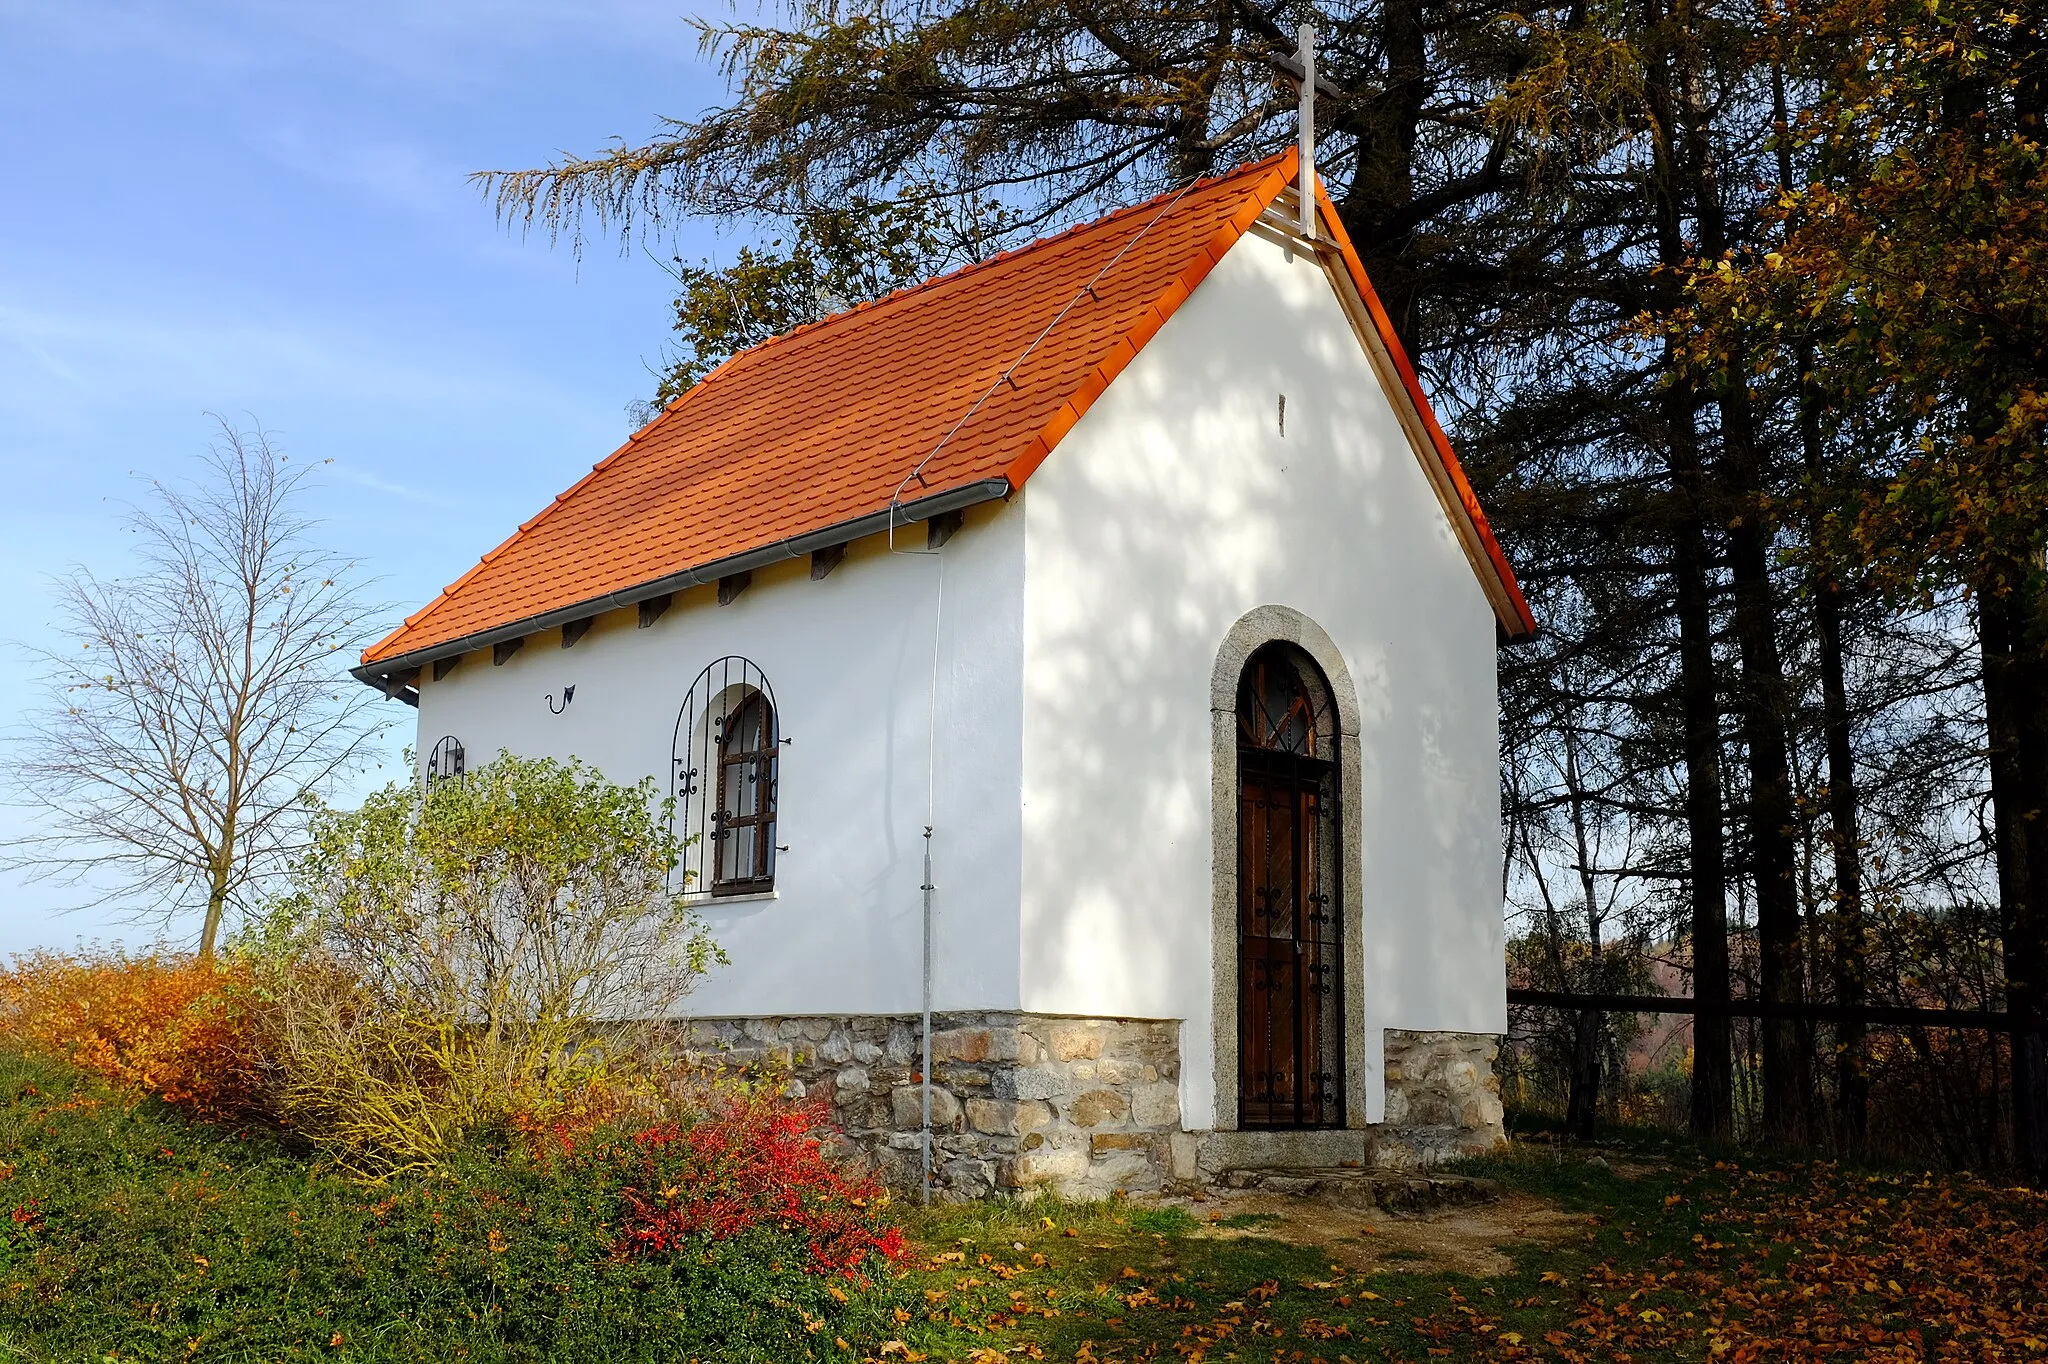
(759, 874)
(450, 749)
(710, 782)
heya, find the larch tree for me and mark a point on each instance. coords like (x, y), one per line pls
(1056, 108)
(834, 258)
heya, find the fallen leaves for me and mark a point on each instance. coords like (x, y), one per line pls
(1803, 1264)
(1807, 1265)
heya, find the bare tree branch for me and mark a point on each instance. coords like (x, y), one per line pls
(200, 701)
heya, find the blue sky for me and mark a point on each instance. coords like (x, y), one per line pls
(259, 209)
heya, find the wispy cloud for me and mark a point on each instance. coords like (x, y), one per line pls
(362, 478)
(292, 238)
(52, 357)
(402, 174)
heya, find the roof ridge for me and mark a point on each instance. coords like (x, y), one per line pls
(1211, 251)
(961, 271)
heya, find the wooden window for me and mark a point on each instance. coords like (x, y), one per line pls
(745, 822)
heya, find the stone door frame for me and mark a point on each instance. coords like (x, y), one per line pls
(1260, 626)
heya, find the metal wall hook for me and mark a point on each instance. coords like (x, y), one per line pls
(568, 695)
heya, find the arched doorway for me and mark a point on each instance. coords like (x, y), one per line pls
(1290, 910)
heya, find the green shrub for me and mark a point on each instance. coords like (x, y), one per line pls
(134, 1235)
(455, 956)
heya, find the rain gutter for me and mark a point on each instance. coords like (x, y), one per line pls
(395, 676)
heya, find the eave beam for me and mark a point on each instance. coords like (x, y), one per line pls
(399, 686)
(942, 528)
(644, 594)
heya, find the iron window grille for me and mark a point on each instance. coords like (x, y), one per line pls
(724, 765)
(447, 762)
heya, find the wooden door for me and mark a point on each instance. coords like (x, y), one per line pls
(1290, 988)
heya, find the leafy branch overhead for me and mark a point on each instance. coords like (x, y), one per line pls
(1057, 108)
(1916, 275)
(983, 96)
(835, 258)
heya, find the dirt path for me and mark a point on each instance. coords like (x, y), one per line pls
(1470, 1239)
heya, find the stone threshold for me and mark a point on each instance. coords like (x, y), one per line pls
(1363, 1190)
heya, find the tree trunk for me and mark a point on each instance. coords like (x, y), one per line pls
(2016, 721)
(1787, 1049)
(1387, 126)
(1713, 1088)
(1788, 1043)
(1582, 1111)
(1713, 1084)
(1846, 940)
(1852, 1080)
(1846, 937)
(216, 910)
(1589, 1027)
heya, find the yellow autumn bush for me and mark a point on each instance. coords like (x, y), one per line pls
(167, 1024)
(451, 958)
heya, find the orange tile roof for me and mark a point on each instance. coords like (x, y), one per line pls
(975, 375)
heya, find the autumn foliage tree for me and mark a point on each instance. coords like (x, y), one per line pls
(1907, 281)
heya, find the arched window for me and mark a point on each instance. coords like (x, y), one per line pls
(724, 762)
(447, 762)
(1290, 919)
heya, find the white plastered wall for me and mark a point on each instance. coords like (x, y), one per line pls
(850, 662)
(1172, 509)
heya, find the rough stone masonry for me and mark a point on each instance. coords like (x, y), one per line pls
(1085, 1107)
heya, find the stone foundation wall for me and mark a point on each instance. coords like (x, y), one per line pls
(1086, 1107)
(1020, 1102)
(1443, 1099)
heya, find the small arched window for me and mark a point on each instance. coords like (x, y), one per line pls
(725, 763)
(1283, 705)
(447, 762)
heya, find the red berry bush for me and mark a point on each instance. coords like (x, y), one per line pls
(750, 1160)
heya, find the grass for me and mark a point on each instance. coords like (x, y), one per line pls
(133, 1235)
(1118, 1281)
(130, 1234)
(1685, 1259)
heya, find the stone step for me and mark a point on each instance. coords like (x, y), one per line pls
(1348, 1187)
